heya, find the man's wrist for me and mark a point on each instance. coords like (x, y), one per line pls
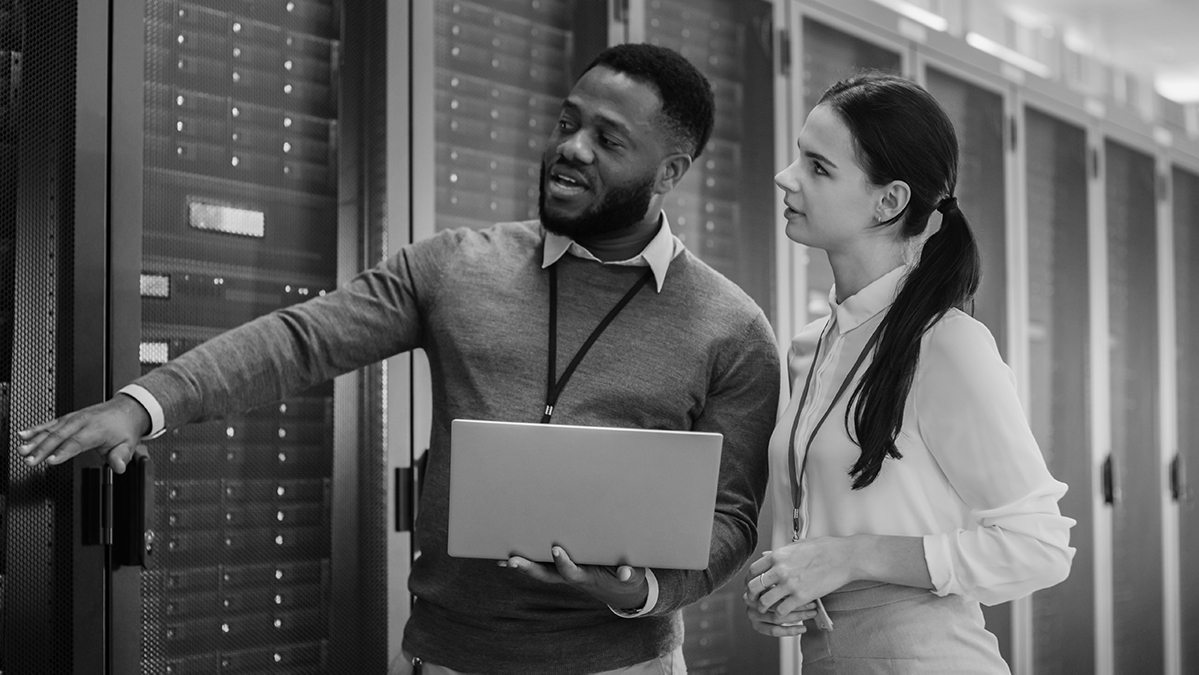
(649, 600)
(136, 413)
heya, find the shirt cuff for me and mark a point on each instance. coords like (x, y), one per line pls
(651, 599)
(147, 401)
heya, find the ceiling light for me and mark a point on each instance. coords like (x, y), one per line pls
(1008, 54)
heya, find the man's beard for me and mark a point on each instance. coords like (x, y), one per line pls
(620, 209)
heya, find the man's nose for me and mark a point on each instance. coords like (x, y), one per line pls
(576, 148)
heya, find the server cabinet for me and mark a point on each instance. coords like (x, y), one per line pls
(267, 554)
(1132, 471)
(1185, 468)
(978, 118)
(723, 211)
(829, 52)
(1058, 336)
(977, 113)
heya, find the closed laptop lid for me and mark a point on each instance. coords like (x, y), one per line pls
(608, 496)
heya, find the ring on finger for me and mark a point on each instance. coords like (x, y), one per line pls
(761, 584)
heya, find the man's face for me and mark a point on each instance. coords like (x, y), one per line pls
(600, 168)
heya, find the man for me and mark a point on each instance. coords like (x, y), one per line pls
(688, 351)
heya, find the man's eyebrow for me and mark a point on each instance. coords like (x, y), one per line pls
(603, 121)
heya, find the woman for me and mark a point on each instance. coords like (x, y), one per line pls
(907, 483)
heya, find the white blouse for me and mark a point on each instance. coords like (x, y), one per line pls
(972, 482)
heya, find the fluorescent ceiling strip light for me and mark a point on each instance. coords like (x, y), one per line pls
(1012, 56)
(917, 13)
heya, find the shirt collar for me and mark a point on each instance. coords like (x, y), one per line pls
(863, 305)
(662, 249)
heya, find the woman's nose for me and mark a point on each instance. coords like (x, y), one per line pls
(786, 179)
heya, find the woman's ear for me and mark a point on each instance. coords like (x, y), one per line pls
(671, 171)
(893, 199)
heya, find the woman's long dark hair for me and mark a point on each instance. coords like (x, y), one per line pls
(901, 133)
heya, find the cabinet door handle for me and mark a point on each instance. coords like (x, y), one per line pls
(1109, 488)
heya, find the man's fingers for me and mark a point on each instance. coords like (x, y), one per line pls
(26, 434)
(544, 573)
(118, 458)
(60, 439)
(566, 567)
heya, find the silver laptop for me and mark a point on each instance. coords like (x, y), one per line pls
(608, 496)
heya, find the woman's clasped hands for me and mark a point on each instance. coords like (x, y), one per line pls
(783, 585)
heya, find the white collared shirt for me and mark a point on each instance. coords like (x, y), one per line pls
(657, 254)
(972, 481)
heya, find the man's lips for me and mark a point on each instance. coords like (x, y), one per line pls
(564, 183)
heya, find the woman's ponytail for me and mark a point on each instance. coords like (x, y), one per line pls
(902, 134)
(946, 276)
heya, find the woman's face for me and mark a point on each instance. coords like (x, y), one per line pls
(830, 203)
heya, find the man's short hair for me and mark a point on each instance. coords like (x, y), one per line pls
(688, 104)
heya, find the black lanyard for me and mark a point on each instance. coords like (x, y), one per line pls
(797, 479)
(554, 389)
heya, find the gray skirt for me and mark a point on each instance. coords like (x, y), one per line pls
(887, 629)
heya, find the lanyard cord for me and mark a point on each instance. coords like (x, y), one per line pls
(796, 479)
(552, 389)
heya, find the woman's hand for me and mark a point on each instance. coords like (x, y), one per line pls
(790, 578)
(775, 625)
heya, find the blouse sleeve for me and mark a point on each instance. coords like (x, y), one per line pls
(971, 419)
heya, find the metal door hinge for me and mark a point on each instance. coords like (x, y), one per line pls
(620, 11)
(784, 51)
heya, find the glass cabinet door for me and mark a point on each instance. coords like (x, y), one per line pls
(978, 119)
(1132, 307)
(500, 73)
(242, 139)
(1186, 289)
(1059, 336)
(830, 55)
(723, 210)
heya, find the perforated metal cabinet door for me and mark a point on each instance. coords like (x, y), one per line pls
(1132, 306)
(50, 586)
(269, 551)
(1185, 191)
(1056, 153)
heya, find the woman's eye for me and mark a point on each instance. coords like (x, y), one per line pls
(818, 170)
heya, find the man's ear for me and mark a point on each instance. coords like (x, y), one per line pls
(671, 171)
(893, 200)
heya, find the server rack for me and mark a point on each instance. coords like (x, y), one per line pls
(243, 110)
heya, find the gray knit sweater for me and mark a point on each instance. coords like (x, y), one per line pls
(699, 355)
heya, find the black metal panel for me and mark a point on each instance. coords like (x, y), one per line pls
(1186, 289)
(1132, 306)
(1059, 382)
(37, 221)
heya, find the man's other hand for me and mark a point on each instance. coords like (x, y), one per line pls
(621, 587)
